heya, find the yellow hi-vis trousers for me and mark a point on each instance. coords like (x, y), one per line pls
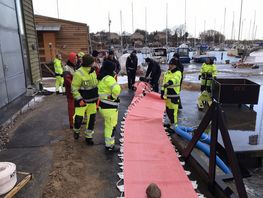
(90, 110)
(110, 122)
(60, 83)
(172, 111)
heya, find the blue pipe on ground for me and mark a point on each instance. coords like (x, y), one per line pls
(204, 137)
(203, 147)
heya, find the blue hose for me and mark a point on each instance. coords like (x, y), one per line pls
(203, 147)
(204, 137)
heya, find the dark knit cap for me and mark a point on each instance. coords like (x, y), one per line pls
(95, 53)
(108, 66)
(176, 55)
(147, 60)
(173, 61)
(87, 60)
(111, 52)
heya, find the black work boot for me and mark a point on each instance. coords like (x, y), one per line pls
(112, 149)
(76, 135)
(89, 141)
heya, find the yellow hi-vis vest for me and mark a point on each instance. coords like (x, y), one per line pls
(207, 73)
(85, 85)
(58, 66)
(172, 91)
(109, 91)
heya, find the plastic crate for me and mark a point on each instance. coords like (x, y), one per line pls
(235, 91)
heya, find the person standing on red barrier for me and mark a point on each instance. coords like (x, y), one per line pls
(68, 76)
(171, 91)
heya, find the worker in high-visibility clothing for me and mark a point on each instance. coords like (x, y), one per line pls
(207, 74)
(171, 91)
(85, 92)
(59, 73)
(109, 91)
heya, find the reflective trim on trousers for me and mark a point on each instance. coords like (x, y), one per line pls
(172, 96)
(76, 130)
(172, 86)
(89, 133)
(110, 102)
(109, 142)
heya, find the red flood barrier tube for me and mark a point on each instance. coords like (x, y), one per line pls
(149, 156)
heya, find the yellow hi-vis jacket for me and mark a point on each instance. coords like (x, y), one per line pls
(207, 73)
(85, 85)
(173, 90)
(109, 91)
(58, 67)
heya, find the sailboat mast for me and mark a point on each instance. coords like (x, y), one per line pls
(57, 9)
(232, 32)
(146, 26)
(184, 20)
(254, 25)
(121, 29)
(224, 22)
(240, 19)
(249, 30)
(132, 20)
(255, 34)
(166, 24)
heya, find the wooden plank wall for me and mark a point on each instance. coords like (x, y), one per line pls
(72, 37)
(31, 38)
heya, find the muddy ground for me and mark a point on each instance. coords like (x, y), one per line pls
(41, 143)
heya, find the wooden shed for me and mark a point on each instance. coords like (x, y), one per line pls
(60, 36)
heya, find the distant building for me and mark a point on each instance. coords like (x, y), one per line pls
(60, 36)
(19, 61)
(137, 36)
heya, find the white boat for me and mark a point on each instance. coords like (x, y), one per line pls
(255, 57)
(160, 55)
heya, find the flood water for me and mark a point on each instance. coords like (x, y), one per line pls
(242, 123)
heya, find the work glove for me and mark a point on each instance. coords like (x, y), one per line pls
(81, 102)
(117, 100)
(92, 69)
(168, 84)
(162, 93)
(111, 98)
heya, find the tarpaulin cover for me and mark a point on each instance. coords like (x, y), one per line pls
(149, 156)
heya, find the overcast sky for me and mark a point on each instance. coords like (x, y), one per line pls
(206, 14)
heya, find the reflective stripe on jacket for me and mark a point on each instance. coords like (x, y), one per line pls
(207, 73)
(173, 90)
